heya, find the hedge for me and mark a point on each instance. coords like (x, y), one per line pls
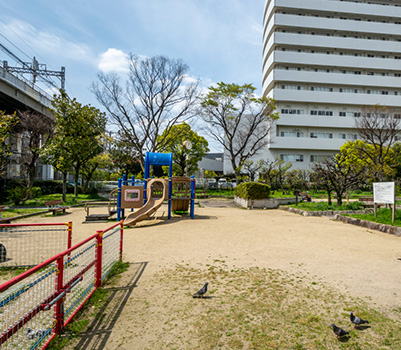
(252, 190)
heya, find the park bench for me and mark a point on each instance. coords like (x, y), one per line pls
(367, 202)
(55, 206)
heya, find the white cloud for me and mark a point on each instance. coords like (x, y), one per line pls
(114, 60)
(43, 42)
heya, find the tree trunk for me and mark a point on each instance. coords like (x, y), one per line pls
(329, 197)
(76, 178)
(64, 186)
(339, 198)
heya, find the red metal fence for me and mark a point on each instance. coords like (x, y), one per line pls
(36, 305)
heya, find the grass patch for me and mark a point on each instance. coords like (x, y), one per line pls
(384, 216)
(323, 206)
(230, 192)
(257, 309)
(84, 317)
(8, 273)
(70, 199)
(9, 213)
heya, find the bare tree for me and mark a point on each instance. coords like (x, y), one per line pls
(252, 168)
(378, 126)
(339, 173)
(268, 171)
(238, 120)
(36, 130)
(156, 96)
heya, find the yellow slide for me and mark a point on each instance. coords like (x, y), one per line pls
(151, 205)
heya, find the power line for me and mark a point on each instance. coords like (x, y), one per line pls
(33, 50)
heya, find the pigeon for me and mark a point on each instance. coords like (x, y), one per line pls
(356, 320)
(201, 291)
(31, 334)
(339, 332)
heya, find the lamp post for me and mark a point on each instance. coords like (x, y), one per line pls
(187, 147)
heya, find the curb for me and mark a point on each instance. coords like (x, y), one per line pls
(324, 213)
(393, 230)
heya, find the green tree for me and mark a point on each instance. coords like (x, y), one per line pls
(77, 134)
(397, 159)
(56, 155)
(182, 156)
(94, 167)
(360, 154)
(239, 120)
(7, 123)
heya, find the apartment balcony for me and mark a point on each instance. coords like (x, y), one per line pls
(304, 120)
(330, 62)
(329, 24)
(336, 43)
(335, 79)
(335, 6)
(319, 97)
(306, 143)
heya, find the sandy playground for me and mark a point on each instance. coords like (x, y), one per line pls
(359, 262)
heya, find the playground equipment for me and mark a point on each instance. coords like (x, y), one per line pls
(153, 203)
(36, 305)
(111, 208)
(154, 192)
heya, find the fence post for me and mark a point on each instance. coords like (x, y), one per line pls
(59, 308)
(69, 228)
(99, 250)
(121, 239)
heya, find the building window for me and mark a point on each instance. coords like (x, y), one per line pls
(292, 157)
(318, 157)
(321, 135)
(291, 134)
(292, 111)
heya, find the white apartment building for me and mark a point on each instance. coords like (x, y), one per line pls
(322, 61)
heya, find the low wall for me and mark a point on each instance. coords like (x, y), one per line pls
(324, 213)
(394, 230)
(268, 203)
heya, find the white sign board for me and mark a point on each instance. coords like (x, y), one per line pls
(384, 192)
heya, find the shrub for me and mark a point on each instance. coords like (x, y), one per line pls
(36, 192)
(252, 190)
(18, 195)
(49, 186)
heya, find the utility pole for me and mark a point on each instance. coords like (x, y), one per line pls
(35, 68)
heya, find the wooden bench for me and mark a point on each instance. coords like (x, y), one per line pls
(55, 206)
(367, 202)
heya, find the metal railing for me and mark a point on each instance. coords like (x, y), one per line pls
(36, 305)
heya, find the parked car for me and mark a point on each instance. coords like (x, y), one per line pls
(222, 183)
(212, 184)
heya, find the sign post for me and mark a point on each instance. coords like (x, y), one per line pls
(384, 193)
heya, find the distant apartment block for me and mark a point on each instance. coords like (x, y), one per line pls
(322, 61)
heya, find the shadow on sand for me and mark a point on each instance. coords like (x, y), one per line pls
(99, 330)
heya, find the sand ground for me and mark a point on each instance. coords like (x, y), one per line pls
(354, 260)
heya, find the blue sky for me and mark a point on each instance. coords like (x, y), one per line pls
(220, 40)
